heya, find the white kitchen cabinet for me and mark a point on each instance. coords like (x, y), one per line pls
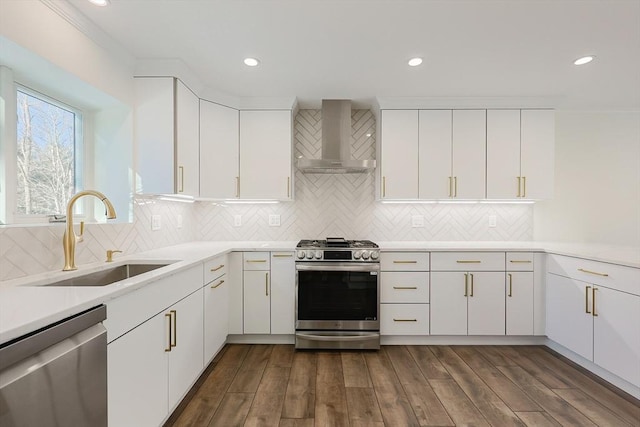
(283, 297)
(520, 153)
(187, 141)
(399, 157)
(519, 305)
(404, 287)
(266, 154)
(467, 293)
(404, 319)
(537, 153)
(256, 302)
(186, 355)
(216, 307)
(219, 151)
(469, 150)
(435, 154)
(166, 133)
(234, 276)
(138, 376)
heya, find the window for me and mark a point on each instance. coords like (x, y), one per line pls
(49, 154)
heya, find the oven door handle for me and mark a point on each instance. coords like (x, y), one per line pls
(332, 266)
(336, 337)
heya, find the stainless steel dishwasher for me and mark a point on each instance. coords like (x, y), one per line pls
(56, 376)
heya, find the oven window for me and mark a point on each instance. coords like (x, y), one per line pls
(337, 295)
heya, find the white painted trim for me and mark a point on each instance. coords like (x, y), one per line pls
(260, 339)
(460, 340)
(410, 103)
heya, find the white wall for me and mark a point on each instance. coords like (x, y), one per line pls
(597, 183)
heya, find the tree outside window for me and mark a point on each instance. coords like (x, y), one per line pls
(46, 155)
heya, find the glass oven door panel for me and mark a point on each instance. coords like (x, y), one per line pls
(337, 295)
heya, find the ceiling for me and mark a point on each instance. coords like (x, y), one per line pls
(358, 49)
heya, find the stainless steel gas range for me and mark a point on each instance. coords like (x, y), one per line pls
(337, 294)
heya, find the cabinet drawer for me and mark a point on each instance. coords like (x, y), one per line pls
(215, 268)
(519, 261)
(467, 261)
(404, 287)
(404, 319)
(256, 261)
(625, 279)
(404, 261)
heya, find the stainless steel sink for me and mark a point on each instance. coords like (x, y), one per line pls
(108, 276)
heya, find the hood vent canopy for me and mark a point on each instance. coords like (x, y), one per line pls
(336, 142)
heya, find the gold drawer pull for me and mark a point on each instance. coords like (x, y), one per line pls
(168, 315)
(510, 285)
(405, 262)
(462, 261)
(175, 328)
(586, 299)
(256, 260)
(282, 255)
(405, 320)
(517, 261)
(217, 268)
(219, 283)
(405, 287)
(593, 272)
(593, 302)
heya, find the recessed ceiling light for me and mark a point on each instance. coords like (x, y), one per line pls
(251, 62)
(583, 60)
(99, 2)
(414, 62)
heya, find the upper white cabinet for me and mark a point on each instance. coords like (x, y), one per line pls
(468, 167)
(520, 153)
(166, 134)
(435, 154)
(266, 154)
(219, 151)
(399, 162)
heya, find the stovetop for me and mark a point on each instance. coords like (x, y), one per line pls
(336, 242)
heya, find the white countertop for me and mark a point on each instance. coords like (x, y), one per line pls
(25, 306)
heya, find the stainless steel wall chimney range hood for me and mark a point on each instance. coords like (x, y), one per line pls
(336, 142)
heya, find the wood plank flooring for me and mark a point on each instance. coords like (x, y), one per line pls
(274, 385)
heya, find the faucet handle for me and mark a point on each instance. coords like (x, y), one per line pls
(80, 237)
(110, 253)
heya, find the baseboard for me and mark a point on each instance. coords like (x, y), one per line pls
(460, 340)
(260, 339)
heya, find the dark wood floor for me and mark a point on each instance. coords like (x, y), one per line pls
(273, 385)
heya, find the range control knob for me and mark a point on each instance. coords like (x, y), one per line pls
(309, 254)
(375, 255)
(318, 254)
(300, 254)
(357, 255)
(366, 254)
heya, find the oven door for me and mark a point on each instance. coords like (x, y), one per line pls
(337, 296)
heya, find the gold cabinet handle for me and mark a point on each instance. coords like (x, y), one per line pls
(237, 186)
(593, 272)
(384, 186)
(524, 186)
(466, 285)
(517, 261)
(450, 186)
(169, 328)
(181, 169)
(586, 299)
(455, 186)
(464, 261)
(405, 320)
(282, 255)
(471, 275)
(288, 186)
(519, 186)
(256, 260)
(593, 302)
(510, 285)
(266, 284)
(405, 262)
(219, 283)
(405, 287)
(175, 328)
(217, 268)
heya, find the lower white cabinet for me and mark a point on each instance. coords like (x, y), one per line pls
(404, 319)
(152, 367)
(467, 303)
(283, 297)
(519, 303)
(256, 302)
(216, 306)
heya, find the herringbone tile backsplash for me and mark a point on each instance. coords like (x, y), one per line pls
(325, 205)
